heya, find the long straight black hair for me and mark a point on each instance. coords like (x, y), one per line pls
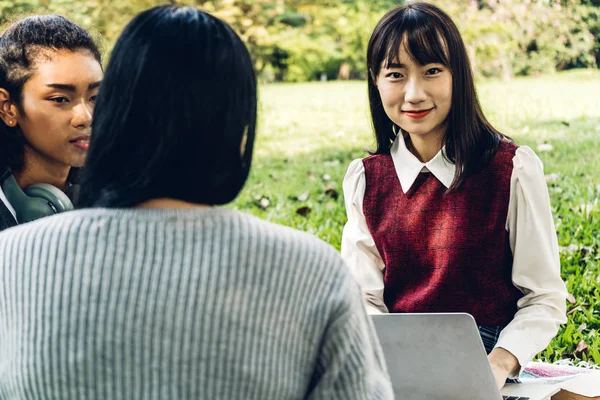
(430, 36)
(176, 113)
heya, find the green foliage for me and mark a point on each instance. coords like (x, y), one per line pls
(515, 37)
(504, 37)
(299, 40)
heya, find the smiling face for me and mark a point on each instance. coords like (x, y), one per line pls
(55, 113)
(416, 97)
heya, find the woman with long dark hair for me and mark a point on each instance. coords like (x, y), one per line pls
(449, 215)
(150, 291)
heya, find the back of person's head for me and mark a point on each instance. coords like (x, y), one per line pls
(430, 36)
(22, 44)
(176, 113)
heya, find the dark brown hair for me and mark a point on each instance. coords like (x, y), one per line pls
(430, 36)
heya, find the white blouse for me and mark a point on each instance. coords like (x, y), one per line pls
(7, 204)
(532, 237)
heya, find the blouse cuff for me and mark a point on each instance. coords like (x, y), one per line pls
(519, 346)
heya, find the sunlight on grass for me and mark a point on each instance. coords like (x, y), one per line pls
(299, 118)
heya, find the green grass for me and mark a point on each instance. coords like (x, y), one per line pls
(308, 134)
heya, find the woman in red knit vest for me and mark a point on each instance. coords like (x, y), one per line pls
(448, 215)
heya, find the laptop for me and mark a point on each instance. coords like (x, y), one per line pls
(441, 357)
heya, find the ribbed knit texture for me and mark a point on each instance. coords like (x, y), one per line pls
(180, 304)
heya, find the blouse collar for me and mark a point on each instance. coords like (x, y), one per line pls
(408, 166)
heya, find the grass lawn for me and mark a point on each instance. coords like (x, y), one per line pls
(309, 133)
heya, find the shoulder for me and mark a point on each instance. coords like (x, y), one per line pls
(502, 162)
(378, 166)
(378, 160)
(355, 173)
(507, 146)
(525, 157)
(20, 245)
(56, 224)
(288, 240)
(291, 260)
(292, 251)
(527, 166)
(505, 152)
(354, 183)
(356, 167)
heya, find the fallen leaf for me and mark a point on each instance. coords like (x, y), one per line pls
(582, 327)
(572, 248)
(332, 193)
(545, 147)
(303, 211)
(571, 299)
(578, 308)
(264, 203)
(567, 356)
(586, 250)
(303, 196)
(552, 177)
(326, 177)
(581, 347)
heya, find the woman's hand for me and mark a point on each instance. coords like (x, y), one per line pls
(503, 363)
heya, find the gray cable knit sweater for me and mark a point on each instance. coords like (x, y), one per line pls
(180, 304)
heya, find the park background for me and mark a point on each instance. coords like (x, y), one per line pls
(536, 63)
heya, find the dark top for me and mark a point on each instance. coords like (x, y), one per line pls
(6, 218)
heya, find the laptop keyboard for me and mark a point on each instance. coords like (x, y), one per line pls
(514, 398)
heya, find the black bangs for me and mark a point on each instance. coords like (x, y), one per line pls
(421, 35)
(423, 42)
(430, 36)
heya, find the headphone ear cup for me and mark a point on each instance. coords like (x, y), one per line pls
(56, 197)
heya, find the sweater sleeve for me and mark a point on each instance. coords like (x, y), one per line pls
(350, 364)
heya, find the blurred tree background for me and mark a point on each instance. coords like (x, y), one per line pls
(303, 40)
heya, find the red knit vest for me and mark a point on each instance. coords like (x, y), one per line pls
(444, 252)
